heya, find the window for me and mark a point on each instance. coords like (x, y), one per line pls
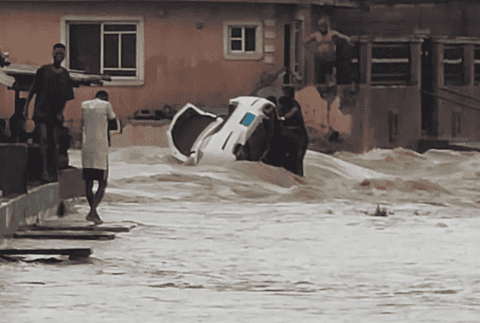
(105, 46)
(453, 65)
(390, 63)
(477, 64)
(243, 40)
(247, 119)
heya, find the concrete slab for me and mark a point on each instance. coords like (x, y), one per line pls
(73, 252)
(60, 225)
(64, 234)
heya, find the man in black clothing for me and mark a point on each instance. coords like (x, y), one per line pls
(53, 87)
(294, 136)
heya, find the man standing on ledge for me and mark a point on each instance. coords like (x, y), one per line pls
(325, 42)
(96, 116)
(53, 87)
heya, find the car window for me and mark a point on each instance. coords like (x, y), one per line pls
(247, 119)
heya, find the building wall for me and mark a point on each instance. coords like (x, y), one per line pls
(470, 127)
(405, 101)
(455, 18)
(182, 64)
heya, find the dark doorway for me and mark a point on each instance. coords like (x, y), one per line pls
(286, 52)
(428, 102)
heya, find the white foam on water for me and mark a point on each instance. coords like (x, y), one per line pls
(248, 242)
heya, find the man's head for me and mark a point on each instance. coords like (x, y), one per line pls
(58, 53)
(289, 91)
(285, 104)
(102, 95)
(323, 25)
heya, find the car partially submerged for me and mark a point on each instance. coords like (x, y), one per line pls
(199, 137)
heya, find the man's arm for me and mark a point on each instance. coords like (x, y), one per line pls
(336, 34)
(92, 79)
(112, 121)
(33, 90)
(309, 39)
(291, 113)
(31, 93)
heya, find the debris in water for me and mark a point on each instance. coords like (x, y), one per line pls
(379, 212)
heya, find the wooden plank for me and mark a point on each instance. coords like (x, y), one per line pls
(77, 235)
(76, 252)
(89, 227)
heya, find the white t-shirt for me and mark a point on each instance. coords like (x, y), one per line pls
(96, 114)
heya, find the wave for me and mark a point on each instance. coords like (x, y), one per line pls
(145, 174)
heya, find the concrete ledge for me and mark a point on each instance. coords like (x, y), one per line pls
(34, 207)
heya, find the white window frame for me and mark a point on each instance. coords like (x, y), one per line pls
(140, 50)
(241, 54)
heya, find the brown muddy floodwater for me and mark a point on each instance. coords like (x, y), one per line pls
(250, 243)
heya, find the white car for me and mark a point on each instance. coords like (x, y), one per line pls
(197, 137)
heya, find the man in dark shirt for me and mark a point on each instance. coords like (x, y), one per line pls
(294, 134)
(53, 87)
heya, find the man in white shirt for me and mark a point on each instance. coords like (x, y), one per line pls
(96, 114)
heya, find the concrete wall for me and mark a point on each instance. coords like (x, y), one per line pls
(470, 127)
(369, 110)
(182, 64)
(406, 102)
(315, 115)
(39, 204)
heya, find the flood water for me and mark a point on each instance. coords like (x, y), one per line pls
(247, 242)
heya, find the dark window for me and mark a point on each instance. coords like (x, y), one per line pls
(390, 63)
(119, 54)
(453, 65)
(250, 39)
(84, 48)
(120, 27)
(243, 39)
(129, 50)
(236, 45)
(110, 49)
(236, 32)
(477, 64)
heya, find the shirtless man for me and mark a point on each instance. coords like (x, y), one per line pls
(96, 114)
(325, 49)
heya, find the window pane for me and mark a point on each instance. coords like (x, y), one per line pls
(110, 50)
(129, 50)
(236, 32)
(454, 52)
(84, 47)
(236, 45)
(249, 39)
(119, 73)
(119, 27)
(391, 50)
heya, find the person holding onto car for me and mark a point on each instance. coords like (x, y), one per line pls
(293, 132)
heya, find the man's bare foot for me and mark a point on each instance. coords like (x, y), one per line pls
(93, 216)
